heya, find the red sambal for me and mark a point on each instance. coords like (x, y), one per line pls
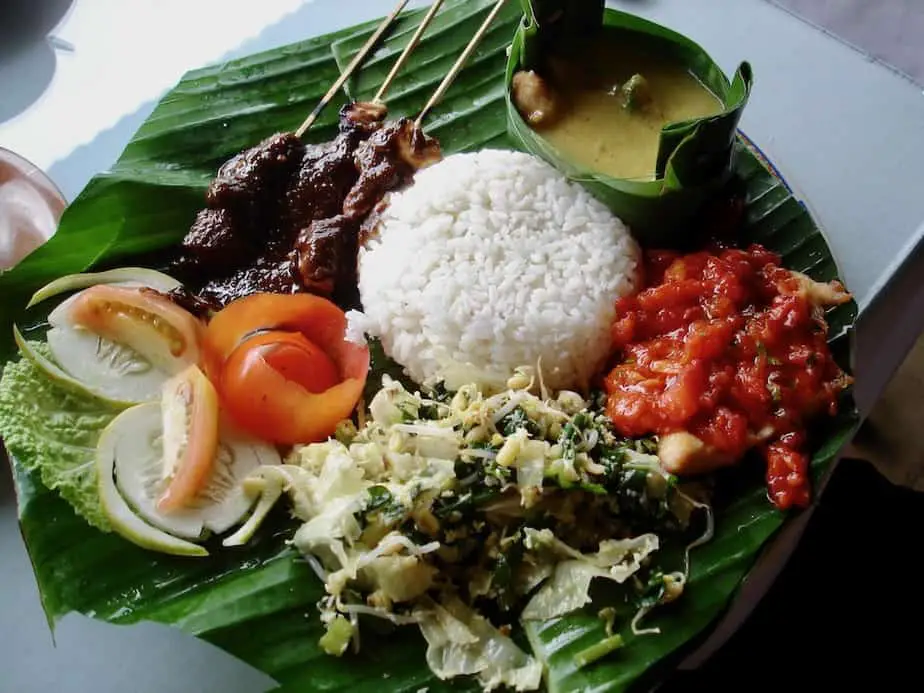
(723, 351)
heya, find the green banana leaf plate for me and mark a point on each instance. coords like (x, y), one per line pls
(258, 603)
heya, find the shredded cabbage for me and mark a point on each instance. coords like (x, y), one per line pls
(459, 641)
(569, 587)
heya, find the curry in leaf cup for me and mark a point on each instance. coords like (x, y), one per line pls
(638, 114)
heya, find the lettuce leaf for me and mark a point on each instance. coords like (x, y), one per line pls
(55, 431)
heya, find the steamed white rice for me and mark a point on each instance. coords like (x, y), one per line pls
(490, 261)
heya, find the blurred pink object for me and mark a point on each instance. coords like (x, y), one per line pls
(30, 207)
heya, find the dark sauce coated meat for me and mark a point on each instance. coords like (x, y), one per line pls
(385, 161)
(243, 207)
(326, 175)
(380, 169)
(364, 116)
(370, 227)
(268, 273)
(284, 217)
(214, 242)
(251, 183)
(193, 303)
(326, 252)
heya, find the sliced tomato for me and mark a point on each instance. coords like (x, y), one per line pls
(190, 437)
(296, 359)
(144, 320)
(262, 399)
(283, 367)
(321, 321)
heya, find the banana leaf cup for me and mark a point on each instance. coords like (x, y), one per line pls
(695, 157)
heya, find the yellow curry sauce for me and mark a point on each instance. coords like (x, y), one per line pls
(592, 124)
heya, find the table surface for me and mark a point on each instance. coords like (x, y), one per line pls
(842, 149)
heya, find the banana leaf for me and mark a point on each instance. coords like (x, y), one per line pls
(695, 157)
(257, 603)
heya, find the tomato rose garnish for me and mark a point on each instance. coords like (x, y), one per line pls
(283, 367)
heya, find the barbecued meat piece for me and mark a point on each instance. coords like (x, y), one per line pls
(194, 303)
(414, 147)
(328, 171)
(386, 161)
(214, 242)
(270, 273)
(284, 217)
(326, 175)
(370, 226)
(252, 183)
(362, 115)
(325, 255)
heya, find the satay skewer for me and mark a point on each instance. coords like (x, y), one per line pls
(345, 75)
(405, 54)
(457, 67)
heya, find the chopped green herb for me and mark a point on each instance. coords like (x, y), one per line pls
(514, 421)
(379, 496)
(337, 637)
(599, 651)
(652, 591)
(384, 506)
(505, 567)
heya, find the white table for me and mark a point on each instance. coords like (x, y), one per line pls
(852, 148)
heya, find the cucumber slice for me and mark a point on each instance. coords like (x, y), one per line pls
(269, 491)
(138, 461)
(54, 373)
(226, 501)
(269, 482)
(137, 445)
(139, 276)
(106, 368)
(123, 519)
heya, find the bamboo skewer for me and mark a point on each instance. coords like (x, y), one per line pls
(405, 54)
(457, 67)
(345, 75)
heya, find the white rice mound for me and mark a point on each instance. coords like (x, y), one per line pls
(491, 261)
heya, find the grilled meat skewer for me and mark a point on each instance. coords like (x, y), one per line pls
(285, 217)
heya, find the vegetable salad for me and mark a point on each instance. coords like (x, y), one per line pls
(467, 513)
